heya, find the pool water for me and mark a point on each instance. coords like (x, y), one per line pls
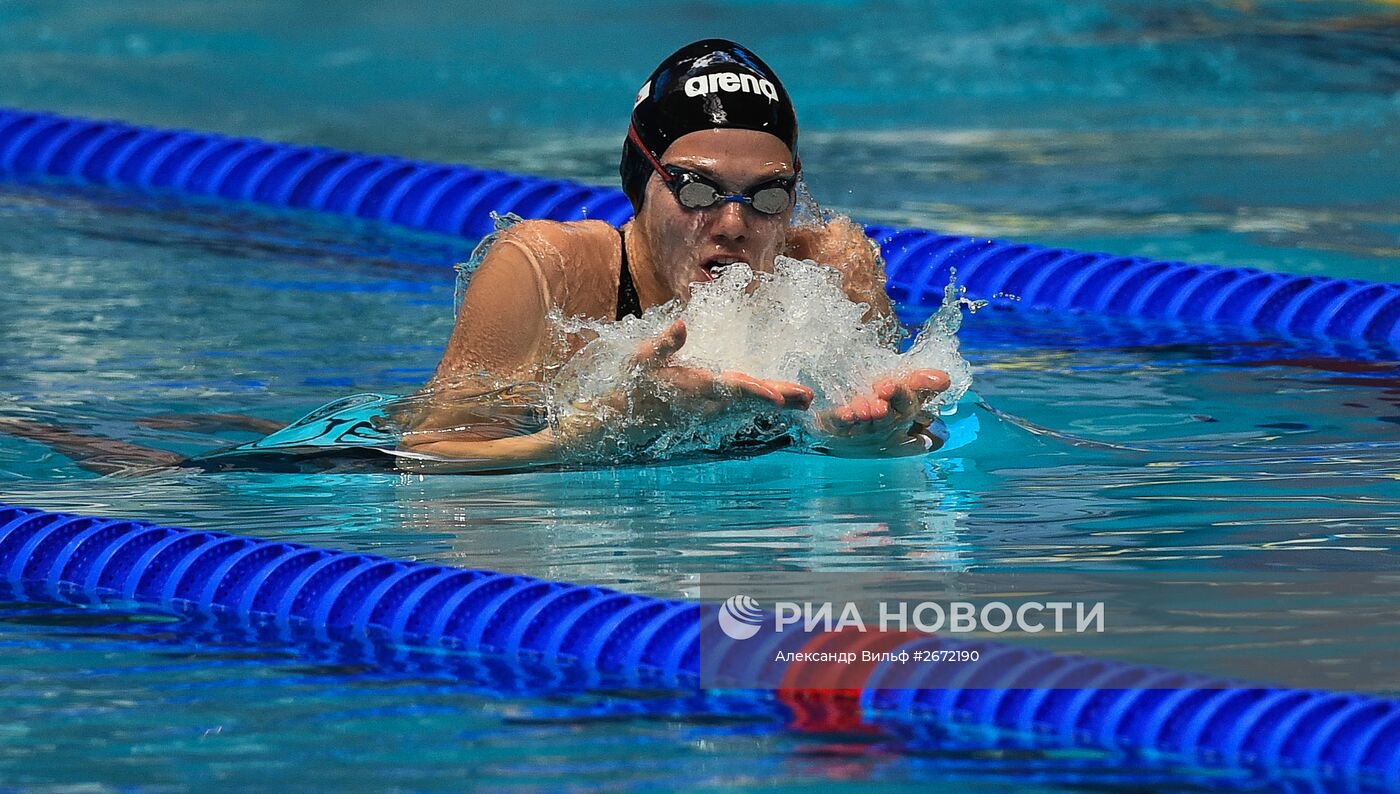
(1255, 134)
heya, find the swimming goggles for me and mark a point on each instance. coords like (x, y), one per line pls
(698, 192)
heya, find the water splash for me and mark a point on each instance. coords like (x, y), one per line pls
(806, 211)
(794, 324)
(947, 320)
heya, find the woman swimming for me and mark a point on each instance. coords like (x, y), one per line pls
(709, 164)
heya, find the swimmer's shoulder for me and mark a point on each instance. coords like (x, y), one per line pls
(564, 240)
(834, 243)
(573, 258)
(595, 242)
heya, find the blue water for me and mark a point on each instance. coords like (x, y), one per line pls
(1260, 134)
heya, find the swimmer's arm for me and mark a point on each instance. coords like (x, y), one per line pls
(466, 456)
(451, 453)
(501, 323)
(497, 340)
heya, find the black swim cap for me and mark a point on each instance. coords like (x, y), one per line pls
(707, 85)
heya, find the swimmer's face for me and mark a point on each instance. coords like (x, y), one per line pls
(693, 245)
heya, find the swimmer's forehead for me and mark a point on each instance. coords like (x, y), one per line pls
(736, 155)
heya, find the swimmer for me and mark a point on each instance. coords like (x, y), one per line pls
(710, 166)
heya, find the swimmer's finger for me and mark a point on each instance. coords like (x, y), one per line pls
(740, 384)
(907, 394)
(858, 409)
(869, 408)
(692, 381)
(781, 394)
(655, 351)
(927, 382)
(836, 420)
(902, 399)
(886, 387)
(794, 395)
(879, 408)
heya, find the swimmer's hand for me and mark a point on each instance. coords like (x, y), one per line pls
(698, 391)
(889, 420)
(662, 394)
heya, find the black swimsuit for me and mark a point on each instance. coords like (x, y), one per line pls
(627, 300)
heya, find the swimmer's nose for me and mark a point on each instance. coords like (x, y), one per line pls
(729, 222)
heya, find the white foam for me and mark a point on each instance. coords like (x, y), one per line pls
(795, 324)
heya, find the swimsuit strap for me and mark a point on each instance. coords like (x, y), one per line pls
(627, 300)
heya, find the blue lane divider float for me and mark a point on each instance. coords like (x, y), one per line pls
(457, 200)
(594, 637)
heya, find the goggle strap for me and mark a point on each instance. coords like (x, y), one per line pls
(636, 139)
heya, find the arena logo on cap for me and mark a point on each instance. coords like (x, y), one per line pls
(730, 82)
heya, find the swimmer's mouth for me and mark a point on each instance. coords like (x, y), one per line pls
(715, 265)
